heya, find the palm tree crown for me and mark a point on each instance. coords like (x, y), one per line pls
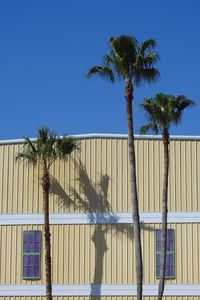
(163, 111)
(128, 60)
(47, 149)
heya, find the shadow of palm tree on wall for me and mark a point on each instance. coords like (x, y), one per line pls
(92, 198)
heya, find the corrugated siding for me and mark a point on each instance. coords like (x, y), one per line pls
(84, 254)
(101, 181)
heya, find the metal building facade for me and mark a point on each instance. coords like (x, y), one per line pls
(92, 240)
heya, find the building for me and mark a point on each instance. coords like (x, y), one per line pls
(92, 240)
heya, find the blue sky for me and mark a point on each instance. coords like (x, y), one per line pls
(47, 46)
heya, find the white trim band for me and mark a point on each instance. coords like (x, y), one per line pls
(98, 218)
(99, 290)
(109, 135)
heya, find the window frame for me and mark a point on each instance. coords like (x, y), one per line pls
(167, 253)
(31, 254)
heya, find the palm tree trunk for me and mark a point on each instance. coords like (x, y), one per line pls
(45, 187)
(133, 188)
(163, 249)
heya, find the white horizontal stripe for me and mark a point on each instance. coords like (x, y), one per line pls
(110, 135)
(98, 218)
(99, 290)
(22, 290)
(21, 219)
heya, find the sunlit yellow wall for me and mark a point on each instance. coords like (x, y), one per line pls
(103, 159)
(84, 254)
(96, 178)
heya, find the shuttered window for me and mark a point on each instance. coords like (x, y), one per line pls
(31, 254)
(170, 265)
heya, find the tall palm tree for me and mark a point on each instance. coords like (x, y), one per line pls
(133, 63)
(162, 112)
(45, 151)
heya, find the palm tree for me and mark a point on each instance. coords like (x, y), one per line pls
(45, 151)
(162, 112)
(133, 63)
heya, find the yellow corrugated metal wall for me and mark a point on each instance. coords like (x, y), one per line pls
(96, 178)
(100, 157)
(84, 254)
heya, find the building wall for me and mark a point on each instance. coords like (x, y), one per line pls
(96, 179)
(84, 254)
(102, 157)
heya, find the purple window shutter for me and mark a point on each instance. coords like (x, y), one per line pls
(157, 265)
(158, 248)
(169, 269)
(170, 254)
(169, 265)
(31, 241)
(31, 254)
(158, 240)
(31, 266)
(170, 240)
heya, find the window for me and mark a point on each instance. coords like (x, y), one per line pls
(31, 254)
(170, 265)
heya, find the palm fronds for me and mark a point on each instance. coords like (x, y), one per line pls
(163, 111)
(128, 59)
(47, 148)
(103, 72)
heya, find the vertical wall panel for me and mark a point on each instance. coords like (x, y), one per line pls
(99, 157)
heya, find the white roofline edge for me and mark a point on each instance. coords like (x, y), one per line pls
(110, 135)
